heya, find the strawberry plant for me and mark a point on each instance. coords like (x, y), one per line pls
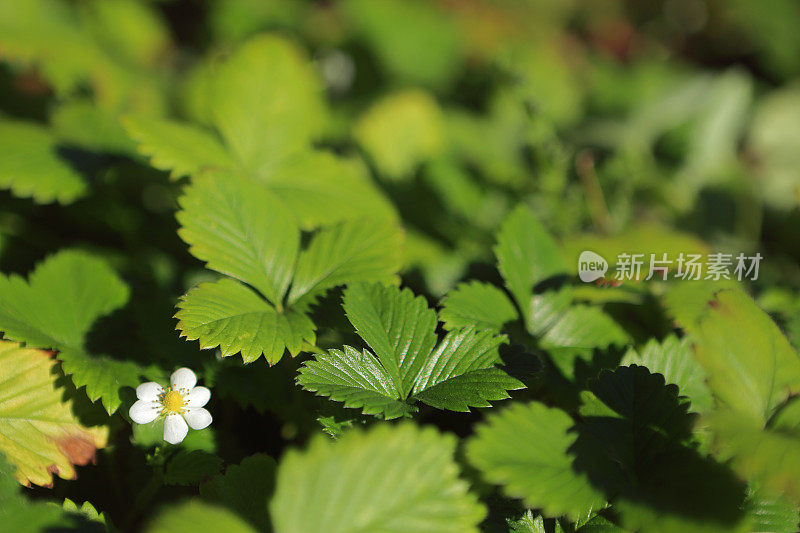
(398, 266)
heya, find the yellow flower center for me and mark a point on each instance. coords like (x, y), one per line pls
(172, 402)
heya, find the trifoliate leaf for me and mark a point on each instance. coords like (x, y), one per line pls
(198, 516)
(674, 359)
(401, 131)
(265, 102)
(750, 364)
(267, 106)
(38, 432)
(182, 149)
(398, 326)
(407, 365)
(632, 444)
(390, 478)
(529, 260)
(635, 443)
(244, 489)
(55, 309)
(191, 467)
(31, 166)
(525, 448)
(476, 304)
(240, 229)
(230, 315)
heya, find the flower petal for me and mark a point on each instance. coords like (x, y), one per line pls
(197, 417)
(183, 378)
(197, 397)
(149, 391)
(175, 429)
(144, 412)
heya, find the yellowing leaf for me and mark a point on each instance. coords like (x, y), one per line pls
(750, 364)
(38, 432)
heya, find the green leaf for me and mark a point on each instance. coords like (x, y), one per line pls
(599, 524)
(402, 131)
(417, 42)
(198, 516)
(182, 149)
(64, 296)
(356, 379)
(103, 377)
(18, 513)
(476, 304)
(390, 478)
(674, 359)
(230, 315)
(398, 326)
(240, 229)
(264, 100)
(354, 251)
(31, 166)
(475, 388)
(82, 123)
(38, 432)
(525, 448)
(245, 489)
(773, 514)
(526, 255)
(527, 523)
(459, 353)
(770, 456)
(322, 189)
(751, 366)
(86, 510)
(457, 374)
(267, 102)
(191, 467)
(584, 327)
(530, 260)
(635, 442)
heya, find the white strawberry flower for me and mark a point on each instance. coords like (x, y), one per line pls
(180, 405)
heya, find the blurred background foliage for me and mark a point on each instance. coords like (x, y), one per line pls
(664, 125)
